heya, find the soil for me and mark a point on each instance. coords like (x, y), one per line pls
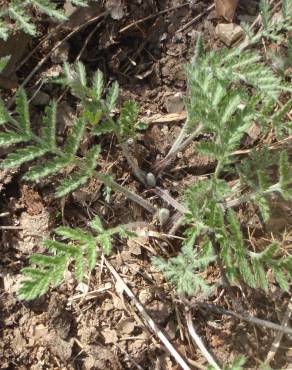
(93, 325)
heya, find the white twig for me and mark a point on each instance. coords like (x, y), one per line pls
(278, 338)
(200, 343)
(149, 320)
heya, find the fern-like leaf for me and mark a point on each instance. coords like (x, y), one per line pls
(285, 180)
(97, 85)
(23, 155)
(70, 184)
(239, 249)
(74, 138)
(90, 159)
(3, 62)
(23, 21)
(4, 33)
(50, 167)
(128, 120)
(265, 11)
(49, 129)
(49, 8)
(22, 109)
(9, 138)
(74, 234)
(112, 96)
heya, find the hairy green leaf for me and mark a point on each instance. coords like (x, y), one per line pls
(23, 155)
(3, 62)
(68, 185)
(112, 96)
(49, 129)
(49, 8)
(23, 21)
(97, 85)
(75, 137)
(9, 138)
(23, 111)
(50, 167)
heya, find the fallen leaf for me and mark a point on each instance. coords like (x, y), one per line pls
(226, 8)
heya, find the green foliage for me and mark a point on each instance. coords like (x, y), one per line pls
(37, 146)
(82, 247)
(3, 62)
(183, 270)
(266, 13)
(223, 239)
(95, 119)
(227, 92)
(21, 14)
(98, 110)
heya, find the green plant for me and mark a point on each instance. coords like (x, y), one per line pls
(230, 67)
(50, 269)
(93, 121)
(42, 146)
(228, 92)
(16, 14)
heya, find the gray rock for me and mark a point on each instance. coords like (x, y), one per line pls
(229, 33)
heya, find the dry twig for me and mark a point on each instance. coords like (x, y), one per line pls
(200, 343)
(148, 319)
(278, 338)
(151, 16)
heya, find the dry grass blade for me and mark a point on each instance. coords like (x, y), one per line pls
(146, 316)
(200, 343)
(199, 16)
(278, 338)
(151, 16)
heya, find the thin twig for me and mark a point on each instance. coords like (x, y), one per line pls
(194, 20)
(44, 39)
(58, 44)
(278, 338)
(247, 318)
(165, 162)
(200, 343)
(4, 214)
(147, 317)
(164, 194)
(151, 16)
(138, 173)
(11, 228)
(130, 358)
(107, 180)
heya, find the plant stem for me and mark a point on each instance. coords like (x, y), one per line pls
(177, 146)
(107, 180)
(139, 174)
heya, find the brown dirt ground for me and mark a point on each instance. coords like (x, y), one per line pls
(69, 328)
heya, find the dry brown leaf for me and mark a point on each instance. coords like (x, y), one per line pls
(226, 8)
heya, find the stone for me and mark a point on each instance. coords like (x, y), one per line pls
(41, 99)
(226, 8)
(60, 55)
(229, 33)
(174, 103)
